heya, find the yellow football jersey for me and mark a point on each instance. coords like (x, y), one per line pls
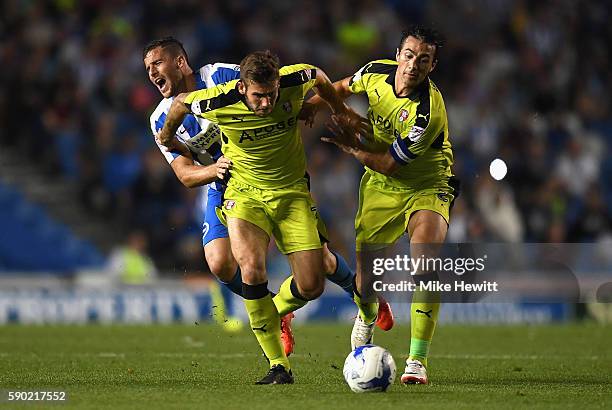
(415, 127)
(267, 152)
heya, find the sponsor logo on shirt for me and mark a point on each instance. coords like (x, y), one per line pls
(267, 131)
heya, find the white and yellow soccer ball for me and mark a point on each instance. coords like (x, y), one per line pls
(369, 368)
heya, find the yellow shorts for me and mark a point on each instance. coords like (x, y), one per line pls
(384, 211)
(288, 214)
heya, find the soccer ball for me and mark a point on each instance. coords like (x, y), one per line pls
(369, 368)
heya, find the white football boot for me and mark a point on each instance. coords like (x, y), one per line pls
(414, 373)
(362, 333)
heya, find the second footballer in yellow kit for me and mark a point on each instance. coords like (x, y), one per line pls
(408, 185)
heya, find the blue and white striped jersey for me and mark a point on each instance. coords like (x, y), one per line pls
(202, 137)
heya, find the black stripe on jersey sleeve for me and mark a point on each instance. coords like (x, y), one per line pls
(297, 78)
(380, 68)
(423, 109)
(220, 101)
(376, 68)
(438, 142)
(399, 149)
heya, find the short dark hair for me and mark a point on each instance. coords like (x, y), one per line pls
(169, 43)
(260, 67)
(425, 34)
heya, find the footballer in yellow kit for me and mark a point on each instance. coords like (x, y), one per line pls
(267, 193)
(408, 185)
(415, 128)
(268, 186)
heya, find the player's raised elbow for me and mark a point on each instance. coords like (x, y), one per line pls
(188, 182)
(189, 174)
(185, 177)
(343, 88)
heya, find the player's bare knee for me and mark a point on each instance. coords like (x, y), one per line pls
(253, 272)
(222, 268)
(220, 259)
(427, 228)
(312, 293)
(429, 234)
(312, 289)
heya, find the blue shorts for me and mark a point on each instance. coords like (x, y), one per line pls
(213, 228)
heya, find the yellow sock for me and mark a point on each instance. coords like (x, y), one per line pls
(367, 311)
(217, 302)
(285, 300)
(424, 312)
(265, 323)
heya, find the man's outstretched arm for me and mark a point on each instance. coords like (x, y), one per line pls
(347, 140)
(327, 93)
(333, 94)
(192, 175)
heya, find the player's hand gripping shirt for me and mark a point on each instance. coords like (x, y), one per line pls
(266, 152)
(202, 137)
(415, 126)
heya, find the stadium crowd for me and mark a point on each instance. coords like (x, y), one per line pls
(525, 81)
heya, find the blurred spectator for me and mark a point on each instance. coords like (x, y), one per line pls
(577, 167)
(496, 204)
(129, 264)
(594, 222)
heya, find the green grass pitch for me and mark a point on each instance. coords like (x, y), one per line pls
(200, 366)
